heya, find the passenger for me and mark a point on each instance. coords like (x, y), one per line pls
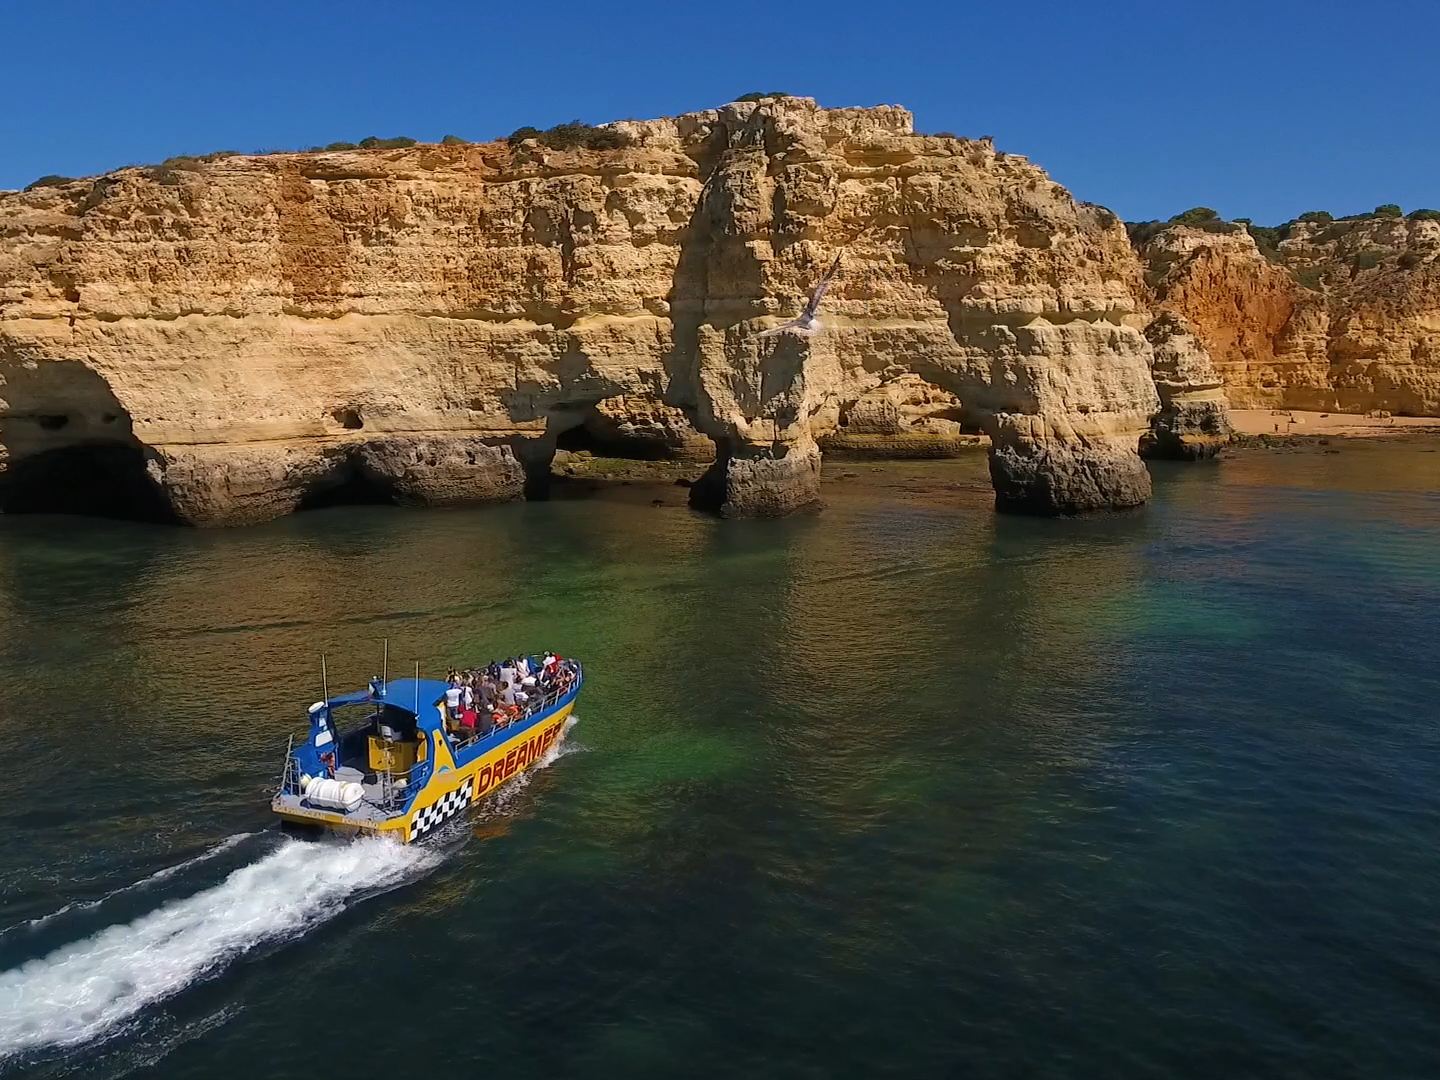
(452, 700)
(507, 693)
(469, 719)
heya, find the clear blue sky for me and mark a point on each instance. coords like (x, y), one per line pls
(1259, 108)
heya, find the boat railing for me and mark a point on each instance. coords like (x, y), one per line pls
(289, 776)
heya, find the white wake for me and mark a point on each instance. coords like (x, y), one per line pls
(84, 990)
(159, 875)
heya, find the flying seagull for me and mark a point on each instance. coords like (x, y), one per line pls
(806, 323)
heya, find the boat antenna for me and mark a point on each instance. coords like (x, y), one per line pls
(385, 664)
(417, 689)
(324, 679)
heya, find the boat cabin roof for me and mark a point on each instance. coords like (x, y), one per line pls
(408, 695)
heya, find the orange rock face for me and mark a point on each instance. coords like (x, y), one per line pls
(1344, 317)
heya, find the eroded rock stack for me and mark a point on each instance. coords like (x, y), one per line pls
(1194, 417)
(428, 322)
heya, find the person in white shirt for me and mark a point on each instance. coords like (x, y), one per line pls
(507, 693)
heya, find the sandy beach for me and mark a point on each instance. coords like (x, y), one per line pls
(1348, 425)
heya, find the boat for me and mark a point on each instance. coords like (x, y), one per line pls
(388, 760)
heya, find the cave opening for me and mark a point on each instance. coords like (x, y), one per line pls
(352, 485)
(583, 438)
(98, 479)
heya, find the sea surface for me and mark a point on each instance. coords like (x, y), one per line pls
(905, 789)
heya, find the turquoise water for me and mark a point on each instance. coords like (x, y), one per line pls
(906, 788)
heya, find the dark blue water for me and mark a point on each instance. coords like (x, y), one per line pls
(904, 789)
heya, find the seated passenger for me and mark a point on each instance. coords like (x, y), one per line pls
(507, 693)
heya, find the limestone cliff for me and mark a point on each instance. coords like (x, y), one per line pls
(1342, 316)
(246, 335)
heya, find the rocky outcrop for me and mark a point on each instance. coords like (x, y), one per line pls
(1340, 316)
(642, 426)
(1194, 417)
(427, 324)
(903, 417)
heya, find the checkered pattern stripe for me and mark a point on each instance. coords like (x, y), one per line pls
(444, 808)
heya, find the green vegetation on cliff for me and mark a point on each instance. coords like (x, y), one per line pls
(572, 136)
(1268, 238)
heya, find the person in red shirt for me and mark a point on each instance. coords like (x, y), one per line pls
(467, 720)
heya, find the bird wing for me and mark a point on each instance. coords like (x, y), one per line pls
(814, 305)
(777, 329)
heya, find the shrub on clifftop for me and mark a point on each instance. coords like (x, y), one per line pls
(400, 142)
(755, 95)
(572, 136)
(53, 180)
(1196, 215)
(1202, 217)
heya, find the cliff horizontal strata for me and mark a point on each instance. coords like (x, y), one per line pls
(251, 335)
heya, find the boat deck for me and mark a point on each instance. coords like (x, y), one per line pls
(365, 814)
